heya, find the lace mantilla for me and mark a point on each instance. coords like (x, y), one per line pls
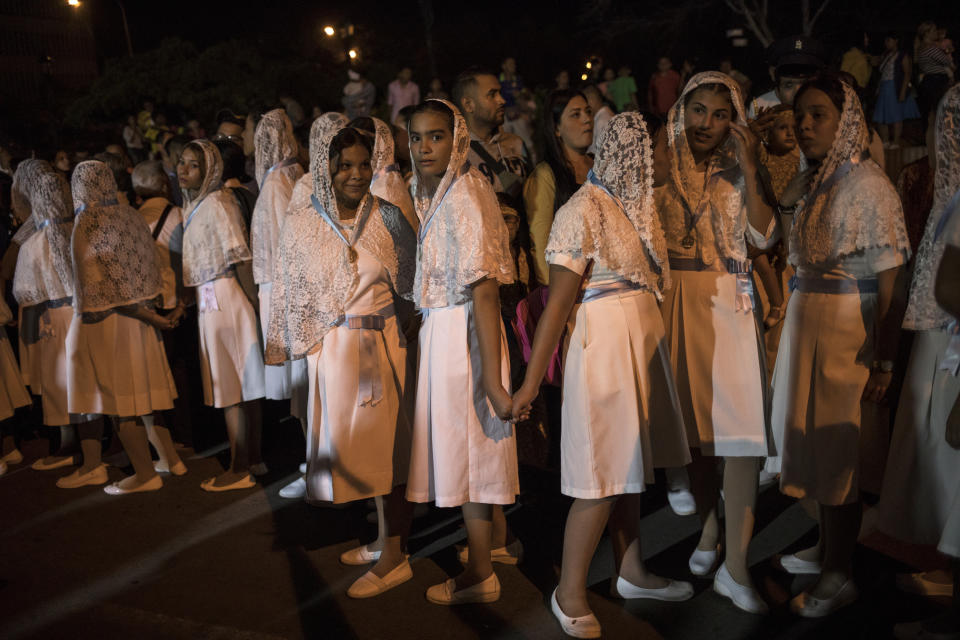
(463, 238)
(592, 225)
(24, 183)
(387, 183)
(214, 235)
(923, 312)
(44, 264)
(304, 187)
(860, 210)
(273, 142)
(315, 277)
(719, 192)
(114, 255)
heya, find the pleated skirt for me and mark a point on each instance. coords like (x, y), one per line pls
(826, 352)
(922, 481)
(357, 449)
(231, 357)
(462, 452)
(621, 417)
(717, 357)
(117, 367)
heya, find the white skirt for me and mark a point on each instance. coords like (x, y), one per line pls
(922, 481)
(117, 367)
(52, 357)
(823, 365)
(716, 357)
(621, 416)
(231, 358)
(462, 452)
(357, 451)
(13, 393)
(29, 358)
(277, 379)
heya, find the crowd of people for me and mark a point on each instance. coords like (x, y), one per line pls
(715, 286)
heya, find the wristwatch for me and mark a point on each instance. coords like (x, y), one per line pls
(883, 366)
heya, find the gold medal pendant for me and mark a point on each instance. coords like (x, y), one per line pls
(352, 255)
(688, 241)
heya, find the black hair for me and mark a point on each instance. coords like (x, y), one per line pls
(654, 124)
(713, 87)
(233, 160)
(794, 71)
(226, 115)
(363, 123)
(563, 174)
(828, 82)
(433, 106)
(465, 81)
(178, 142)
(406, 112)
(201, 156)
(117, 168)
(346, 138)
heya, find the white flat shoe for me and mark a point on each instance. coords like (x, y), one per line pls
(797, 566)
(806, 606)
(153, 484)
(702, 563)
(178, 469)
(682, 502)
(583, 627)
(675, 591)
(40, 465)
(77, 479)
(14, 457)
(359, 556)
(744, 597)
(303, 468)
(511, 554)
(369, 584)
(483, 592)
(294, 490)
(245, 482)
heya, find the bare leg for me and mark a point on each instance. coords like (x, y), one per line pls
(90, 434)
(814, 553)
(585, 524)
(839, 528)
(501, 535)
(478, 519)
(134, 439)
(254, 431)
(740, 497)
(394, 524)
(884, 132)
(897, 130)
(705, 486)
(624, 528)
(162, 441)
(236, 419)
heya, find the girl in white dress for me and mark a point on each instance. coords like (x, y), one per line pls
(216, 260)
(342, 261)
(621, 415)
(13, 393)
(464, 447)
(388, 182)
(277, 171)
(43, 287)
(921, 487)
(116, 365)
(847, 243)
(711, 207)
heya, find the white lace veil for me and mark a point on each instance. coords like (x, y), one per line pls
(314, 278)
(388, 183)
(318, 131)
(592, 225)
(44, 266)
(215, 234)
(923, 312)
(273, 142)
(114, 255)
(24, 180)
(858, 211)
(383, 153)
(423, 202)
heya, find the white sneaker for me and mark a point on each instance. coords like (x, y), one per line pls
(682, 501)
(294, 490)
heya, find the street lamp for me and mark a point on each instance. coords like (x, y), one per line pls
(123, 14)
(73, 3)
(353, 53)
(330, 31)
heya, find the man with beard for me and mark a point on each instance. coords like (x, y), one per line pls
(501, 156)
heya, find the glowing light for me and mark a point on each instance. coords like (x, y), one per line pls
(353, 54)
(589, 65)
(73, 3)
(330, 31)
(584, 76)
